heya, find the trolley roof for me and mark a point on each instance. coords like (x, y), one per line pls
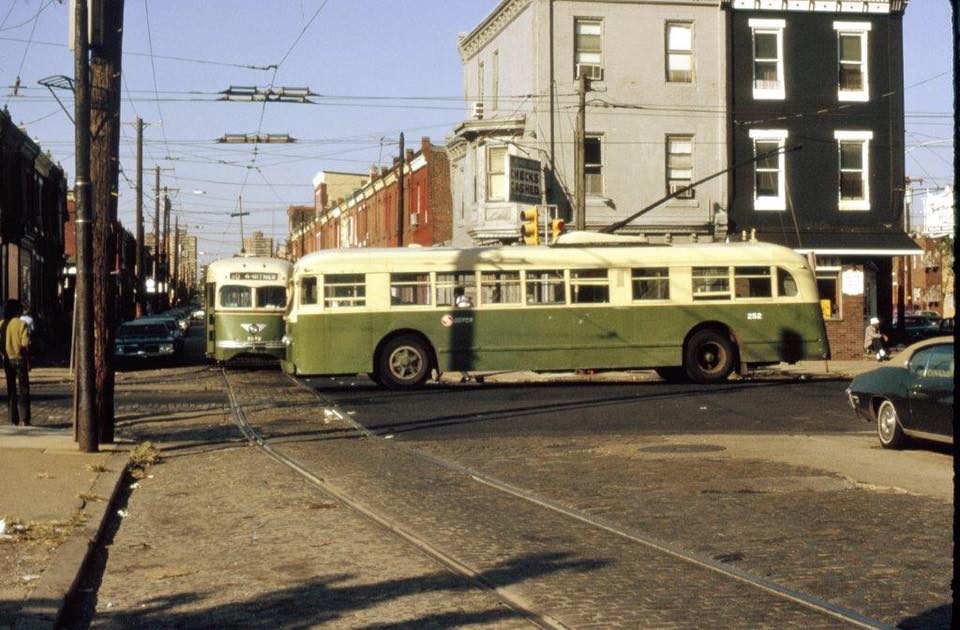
(607, 254)
(221, 270)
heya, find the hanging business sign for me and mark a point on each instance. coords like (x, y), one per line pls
(851, 282)
(524, 180)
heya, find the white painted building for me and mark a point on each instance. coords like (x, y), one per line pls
(655, 114)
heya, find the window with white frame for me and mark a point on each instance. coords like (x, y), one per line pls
(853, 79)
(680, 165)
(496, 174)
(587, 44)
(769, 182)
(593, 165)
(679, 52)
(768, 78)
(853, 158)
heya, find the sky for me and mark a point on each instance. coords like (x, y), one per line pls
(379, 66)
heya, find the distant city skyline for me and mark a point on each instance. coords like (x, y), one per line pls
(378, 70)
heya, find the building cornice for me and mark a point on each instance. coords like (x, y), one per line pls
(503, 14)
(821, 6)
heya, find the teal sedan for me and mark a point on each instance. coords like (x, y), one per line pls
(912, 398)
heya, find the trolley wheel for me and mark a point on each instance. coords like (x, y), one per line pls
(672, 374)
(403, 362)
(708, 357)
(888, 426)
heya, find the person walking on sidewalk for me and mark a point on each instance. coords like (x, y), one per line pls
(874, 341)
(15, 350)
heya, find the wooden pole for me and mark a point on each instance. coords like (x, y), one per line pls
(579, 158)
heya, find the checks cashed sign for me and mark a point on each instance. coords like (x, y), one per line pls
(524, 180)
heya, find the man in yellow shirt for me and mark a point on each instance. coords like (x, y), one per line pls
(15, 350)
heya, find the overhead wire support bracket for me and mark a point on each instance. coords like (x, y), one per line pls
(253, 94)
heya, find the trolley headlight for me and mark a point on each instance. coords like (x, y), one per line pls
(286, 340)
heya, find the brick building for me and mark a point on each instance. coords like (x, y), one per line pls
(367, 215)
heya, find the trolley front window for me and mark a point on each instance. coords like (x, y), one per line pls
(271, 297)
(236, 296)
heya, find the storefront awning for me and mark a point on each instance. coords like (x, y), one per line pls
(865, 244)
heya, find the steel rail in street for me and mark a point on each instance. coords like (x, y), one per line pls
(450, 563)
(806, 600)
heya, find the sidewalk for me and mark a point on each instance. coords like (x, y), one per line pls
(53, 501)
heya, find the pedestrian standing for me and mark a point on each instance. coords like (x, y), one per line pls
(16, 352)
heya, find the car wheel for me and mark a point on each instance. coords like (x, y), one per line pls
(671, 374)
(403, 363)
(888, 426)
(708, 357)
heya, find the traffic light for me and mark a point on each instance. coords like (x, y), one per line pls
(530, 226)
(556, 229)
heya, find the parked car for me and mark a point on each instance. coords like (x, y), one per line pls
(945, 326)
(146, 338)
(920, 327)
(913, 397)
(171, 322)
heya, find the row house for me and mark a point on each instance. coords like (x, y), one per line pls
(816, 97)
(654, 120)
(33, 197)
(368, 216)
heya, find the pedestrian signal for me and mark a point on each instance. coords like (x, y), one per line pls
(530, 226)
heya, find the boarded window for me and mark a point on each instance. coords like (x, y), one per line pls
(589, 286)
(410, 289)
(545, 287)
(752, 282)
(344, 290)
(711, 283)
(500, 287)
(651, 283)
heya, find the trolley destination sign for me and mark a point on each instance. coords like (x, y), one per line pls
(252, 275)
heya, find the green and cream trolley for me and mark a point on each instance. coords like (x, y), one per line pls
(245, 301)
(695, 311)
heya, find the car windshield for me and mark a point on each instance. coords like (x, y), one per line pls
(142, 330)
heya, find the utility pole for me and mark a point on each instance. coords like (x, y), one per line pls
(579, 158)
(138, 269)
(156, 239)
(87, 430)
(176, 259)
(400, 217)
(165, 246)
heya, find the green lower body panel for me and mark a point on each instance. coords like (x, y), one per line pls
(246, 334)
(554, 338)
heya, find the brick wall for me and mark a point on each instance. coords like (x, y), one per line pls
(846, 334)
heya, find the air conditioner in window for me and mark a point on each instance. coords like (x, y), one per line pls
(684, 195)
(414, 219)
(477, 110)
(592, 71)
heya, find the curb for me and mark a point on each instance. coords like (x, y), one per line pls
(45, 605)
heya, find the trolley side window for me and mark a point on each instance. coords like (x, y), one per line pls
(786, 283)
(651, 283)
(410, 289)
(589, 286)
(308, 290)
(236, 296)
(711, 283)
(546, 287)
(500, 287)
(271, 297)
(344, 290)
(752, 282)
(458, 289)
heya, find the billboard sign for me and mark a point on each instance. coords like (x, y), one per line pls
(524, 180)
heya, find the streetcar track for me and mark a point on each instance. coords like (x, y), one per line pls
(806, 600)
(505, 595)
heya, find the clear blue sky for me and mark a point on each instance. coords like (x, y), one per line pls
(353, 48)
